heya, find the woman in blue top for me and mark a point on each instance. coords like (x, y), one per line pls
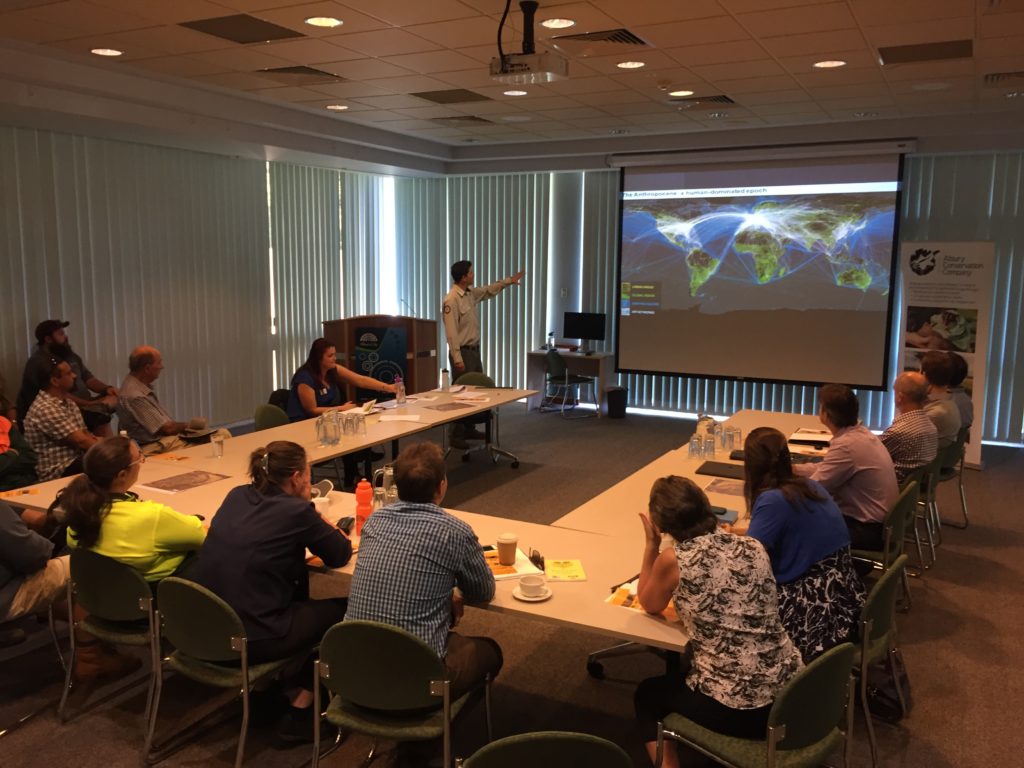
(802, 529)
(316, 389)
(316, 386)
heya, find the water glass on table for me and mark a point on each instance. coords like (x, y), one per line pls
(217, 441)
(709, 446)
(696, 447)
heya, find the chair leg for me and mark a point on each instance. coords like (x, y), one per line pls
(51, 620)
(908, 602)
(240, 752)
(867, 712)
(154, 712)
(848, 736)
(61, 708)
(896, 681)
(487, 709)
(659, 749)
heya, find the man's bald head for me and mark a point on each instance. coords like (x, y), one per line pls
(145, 363)
(911, 390)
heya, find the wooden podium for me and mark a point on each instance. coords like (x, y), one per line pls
(383, 346)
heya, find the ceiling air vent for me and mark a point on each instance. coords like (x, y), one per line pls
(1003, 78)
(451, 96)
(700, 102)
(241, 28)
(464, 120)
(605, 43)
(914, 54)
(300, 75)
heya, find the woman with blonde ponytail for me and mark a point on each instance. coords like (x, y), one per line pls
(105, 516)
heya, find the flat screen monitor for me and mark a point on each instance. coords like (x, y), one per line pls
(769, 270)
(585, 326)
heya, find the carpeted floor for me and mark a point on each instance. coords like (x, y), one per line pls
(958, 639)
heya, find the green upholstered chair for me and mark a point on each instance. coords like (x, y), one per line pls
(902, 515)
(549, 749)
(952, 468)
(489, 420)
(877, 640)
(927, 508)
(210, 647)
(805, 724)
(564, 387)
(121, 611)
(386, 683)
(268, 416)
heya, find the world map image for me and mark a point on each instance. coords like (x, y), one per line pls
(842, 240)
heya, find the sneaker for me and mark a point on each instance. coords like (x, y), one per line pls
(295, 727)
(94, 661)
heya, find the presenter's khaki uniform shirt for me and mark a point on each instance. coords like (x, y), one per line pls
(461, 321)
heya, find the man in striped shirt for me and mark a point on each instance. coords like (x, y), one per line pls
(142, 415)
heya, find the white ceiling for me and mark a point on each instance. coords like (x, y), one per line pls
(757, 52)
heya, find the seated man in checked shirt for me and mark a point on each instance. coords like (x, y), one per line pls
(417, 565)
(911, 439)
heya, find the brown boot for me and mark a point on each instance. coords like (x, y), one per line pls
(94, 661)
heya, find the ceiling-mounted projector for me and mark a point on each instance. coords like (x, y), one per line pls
(528, 66)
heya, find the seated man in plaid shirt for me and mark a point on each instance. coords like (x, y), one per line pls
(54, 426)
(417, 565)
(911, 439)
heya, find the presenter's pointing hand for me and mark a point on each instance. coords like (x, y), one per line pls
(518, 276)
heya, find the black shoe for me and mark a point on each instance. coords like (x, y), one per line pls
(296, 727)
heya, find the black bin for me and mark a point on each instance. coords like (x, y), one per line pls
(616, 399)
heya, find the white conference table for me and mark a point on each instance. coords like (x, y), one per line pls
(205, 499)
(615, 512)
(579, 604)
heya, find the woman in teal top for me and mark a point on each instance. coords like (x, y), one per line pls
(104, 516)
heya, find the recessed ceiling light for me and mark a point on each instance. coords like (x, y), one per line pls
(680, 93)
(336, 107)
(516, 118)
(630, 64)
(865, 114)
(717, 115)
(829, 64)
(324, 21)
(515, 93)
(930, 86)
(558, 23)
(106, 51)
(618, 131)
(1013, 94)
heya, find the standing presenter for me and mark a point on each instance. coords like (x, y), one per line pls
(462, 326)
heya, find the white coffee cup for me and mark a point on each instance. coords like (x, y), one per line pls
(533, 585)
(507, 544)
(321, 504)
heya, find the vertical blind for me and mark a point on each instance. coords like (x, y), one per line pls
(135, 245)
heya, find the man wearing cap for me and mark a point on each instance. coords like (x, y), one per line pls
(141, 414)
(462, 328)
(53, 344)
(54, 426)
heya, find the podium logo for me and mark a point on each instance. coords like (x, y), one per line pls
(369, 339)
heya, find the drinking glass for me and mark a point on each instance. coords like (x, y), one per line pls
(217, 441)
(696, 447)
(709, 447)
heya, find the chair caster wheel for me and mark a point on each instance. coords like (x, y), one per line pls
(595, 669)
(515, 465)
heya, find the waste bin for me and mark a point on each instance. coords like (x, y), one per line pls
(616, 399)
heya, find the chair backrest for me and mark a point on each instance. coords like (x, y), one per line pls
(475, 379)
(879, 610)
(550, 749)
(555, 364)
(198, 622)
(379, 666)
(107, 589)
(279, 397)
(268, 416)
(900, 516)
(950, 455)
(814, 700)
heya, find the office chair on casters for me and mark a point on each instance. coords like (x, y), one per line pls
(489, 420)
(563, 386)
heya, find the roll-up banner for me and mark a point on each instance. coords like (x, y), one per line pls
(947, 306)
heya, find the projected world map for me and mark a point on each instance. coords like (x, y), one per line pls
(845, 241)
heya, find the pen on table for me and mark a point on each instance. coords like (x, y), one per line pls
(631, 578)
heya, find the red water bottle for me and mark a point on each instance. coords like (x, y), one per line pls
(364, 504)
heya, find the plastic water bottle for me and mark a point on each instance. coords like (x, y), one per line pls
(446, 380)
(551, 339)
(364, 504)
(399, 390)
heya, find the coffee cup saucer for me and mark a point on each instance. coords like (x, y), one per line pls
(517, 593)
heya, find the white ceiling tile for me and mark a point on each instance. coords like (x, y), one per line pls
(820, 42)
(823, 17)
(383, 42)
(578, 85)
(166, 13)
(859, 59)
(239, 80)
(241, 59)
(312, 51)
(410, 84)
(430, 62)
(87, 19)
(719, 53)
(573, 113)
(286, 93)
(827, 78)
(783, 108)
(180, 66)
(998, 46)
(395, 101)
(457, 32)
(792, 97)
(1001, 25)
(738, 70)
(928, 70)
(721, 29)
(367, 69)
(468, 78)
(636, 12)
(405, 13)
(750, 6)
(756, 84)
(652, 58)
(350, 90)
(294, 16)
(887, 12)
(875, 90)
